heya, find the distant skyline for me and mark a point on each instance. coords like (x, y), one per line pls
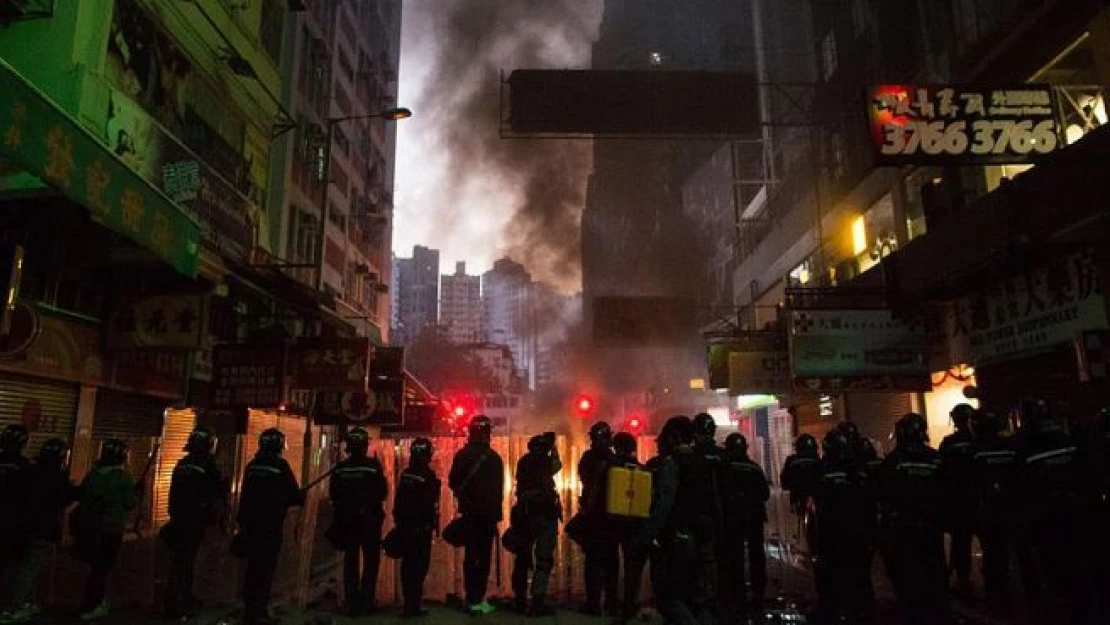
(457, 190)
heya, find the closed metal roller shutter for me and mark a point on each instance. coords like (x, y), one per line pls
(175, 434)
(876, 413)
(57, 400)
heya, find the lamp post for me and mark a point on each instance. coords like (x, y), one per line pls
(392, 115)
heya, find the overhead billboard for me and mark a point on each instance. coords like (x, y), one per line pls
(836, 351)
(962, 124)
(643, 321)
(632, 102)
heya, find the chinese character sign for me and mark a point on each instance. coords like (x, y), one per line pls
(1045, 307)
(933, 125)
(331, 364)
(248, 376)
(172, 321)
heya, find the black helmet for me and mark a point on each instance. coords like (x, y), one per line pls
(850, 429)
(202, 440)
(676, 431)
(421, 450)
(14, 438)
(867, 450)
(480, 429)
(538, 444)
(601, 435)
(1034, 410)
(705, 428)
(837, 446)
(736, 443)
(912, 431)
(358, 441)
(962, 415)
(625, 444)
(990, 423)
(113, 452)
(271, 442)
(54, 452)
(805, 445)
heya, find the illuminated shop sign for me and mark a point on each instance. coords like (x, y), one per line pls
(946, 124)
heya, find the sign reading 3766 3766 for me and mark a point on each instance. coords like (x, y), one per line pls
(958, 124)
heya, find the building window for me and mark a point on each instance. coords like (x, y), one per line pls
(828, 54)
(303, 231)
(273, 14)
(861, 15)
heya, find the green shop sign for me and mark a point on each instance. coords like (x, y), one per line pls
(40, 137)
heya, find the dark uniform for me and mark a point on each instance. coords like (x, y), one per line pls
(745, 494)
(13, 484)
(843, 521)
(478, 481)
(416, 514)
(536, 516)
(956, 451)
(995, 464)
(625, 531)
(601, 566)
(195, 494)
(683, 522)
(269, 490)
(358, 489)
(1051, 484)
(912, 497)
(799, 477)
(705, 445)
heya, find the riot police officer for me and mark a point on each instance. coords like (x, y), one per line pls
(50, 492)
(269, 490)
(358, 490)
(195, 495)
(1051, 479)
(13, 484)
(911, 499)
(625, 532)
(995, 464)
(956, 451)
(536, 516)
(416, 514)
(108, 494)
(478, 481)
(682, 520)
(843, 522)
(800, 473)
(705, 444)
(601, 565)
(745, 495)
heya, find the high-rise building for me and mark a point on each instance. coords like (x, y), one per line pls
(337, 159)
(460, 306)
(507, 311)
(417, 284)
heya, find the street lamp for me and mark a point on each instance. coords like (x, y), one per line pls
(390, 115)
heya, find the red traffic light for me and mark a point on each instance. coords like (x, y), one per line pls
(584, 405)
(460, 412)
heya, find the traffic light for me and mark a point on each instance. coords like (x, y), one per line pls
(634, 423)
(584, 405)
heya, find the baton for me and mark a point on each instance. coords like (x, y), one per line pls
(142, 487)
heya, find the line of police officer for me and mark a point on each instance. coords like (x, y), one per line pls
(1035, 492)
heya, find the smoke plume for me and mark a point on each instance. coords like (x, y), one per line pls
(535, 186)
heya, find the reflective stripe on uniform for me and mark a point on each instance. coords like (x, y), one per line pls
(357, 470)
(265, 469)
(1045, 455)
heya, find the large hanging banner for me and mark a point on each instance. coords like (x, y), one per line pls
(964, 124)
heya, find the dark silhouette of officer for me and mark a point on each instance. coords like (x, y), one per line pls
(601, 564)
(745, 494)
(196, 494)
(478, 481)
(956, 451)
(536, 516)
(358, 489)
(416, 514)
(269, 490)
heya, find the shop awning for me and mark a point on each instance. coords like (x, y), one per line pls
(39, 136)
